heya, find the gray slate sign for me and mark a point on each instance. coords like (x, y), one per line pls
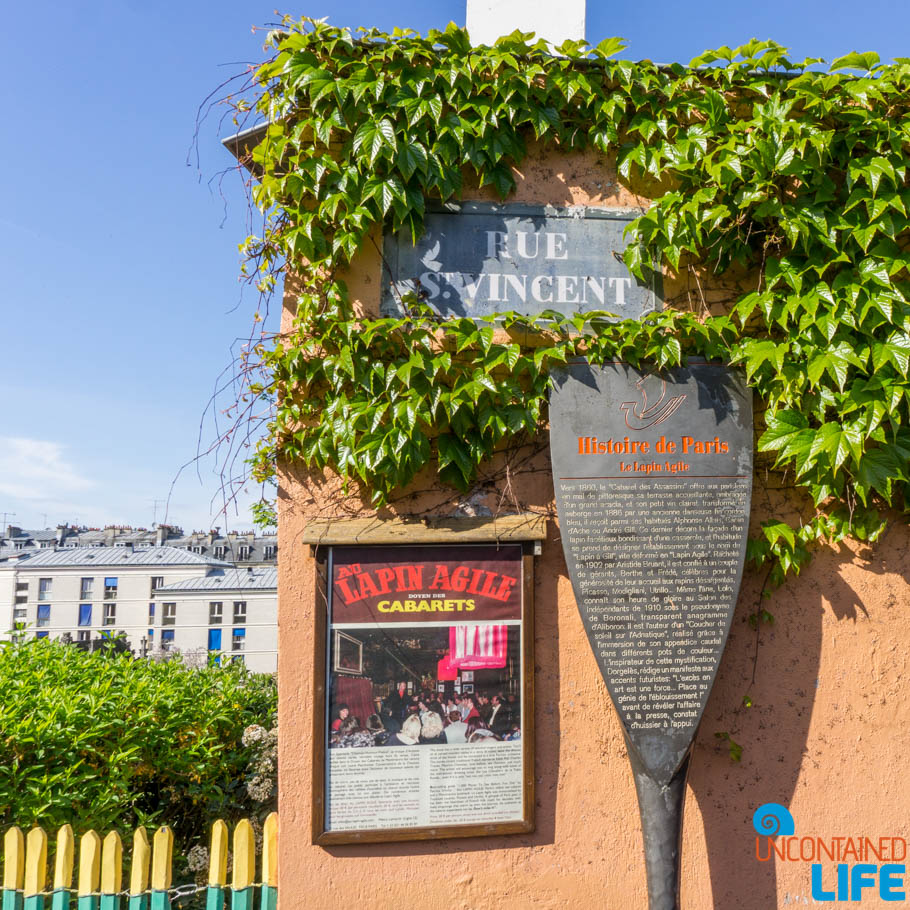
(476, 259)
(653, 478)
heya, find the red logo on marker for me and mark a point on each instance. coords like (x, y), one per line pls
(654, 415)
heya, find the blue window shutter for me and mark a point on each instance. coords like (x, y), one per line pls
(42, 635)
(85, 614)
(167, 634)
(44, 611)
(110, 582)
(214, 639)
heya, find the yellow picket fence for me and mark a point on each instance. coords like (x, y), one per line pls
(100, 870)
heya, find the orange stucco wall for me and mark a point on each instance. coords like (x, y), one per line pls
(828, 735)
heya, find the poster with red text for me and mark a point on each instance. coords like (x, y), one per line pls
(424, 687)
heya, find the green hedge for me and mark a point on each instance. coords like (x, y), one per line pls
(105, 741)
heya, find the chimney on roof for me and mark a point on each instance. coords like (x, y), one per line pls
(13, 531)
(160, 535)
(61, 535)
(488, 20)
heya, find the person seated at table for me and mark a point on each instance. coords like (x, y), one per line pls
(469, 712)
(377, 730)
(409, 735)
(431, 729)
(423, 709)
(350, 736)
(456, 731)
(341, 715)
(500, 721)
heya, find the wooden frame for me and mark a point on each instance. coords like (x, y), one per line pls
(340, 641)
(524, 825)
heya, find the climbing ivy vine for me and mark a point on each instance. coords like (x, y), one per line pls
(788, 173)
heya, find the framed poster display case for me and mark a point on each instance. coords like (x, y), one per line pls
(398, 627)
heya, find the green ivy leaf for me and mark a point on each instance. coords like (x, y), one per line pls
(854, 61)
(785, 428)
(741, 169)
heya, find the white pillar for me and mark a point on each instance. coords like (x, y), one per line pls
(554, 20)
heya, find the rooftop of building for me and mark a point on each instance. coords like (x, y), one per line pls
(111, 557)
(249, 579)
(37, 535)
(244, 547)
(7, 552)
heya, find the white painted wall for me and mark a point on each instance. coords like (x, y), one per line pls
(488, 20)
(131, 603)
(134, 595)
(260, 645)
(7, 597)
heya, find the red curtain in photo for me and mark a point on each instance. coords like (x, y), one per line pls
(445, 671)
(480, 647)
(357, 694)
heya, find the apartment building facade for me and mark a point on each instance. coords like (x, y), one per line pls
(230, 611)
(151, 595)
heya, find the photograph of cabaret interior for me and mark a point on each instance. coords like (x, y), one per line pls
(415, 685)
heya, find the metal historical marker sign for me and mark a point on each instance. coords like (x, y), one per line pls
(653, 480)
(477, 259)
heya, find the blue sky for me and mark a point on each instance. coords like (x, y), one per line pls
(119, 294)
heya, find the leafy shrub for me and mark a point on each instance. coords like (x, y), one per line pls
(105, 741)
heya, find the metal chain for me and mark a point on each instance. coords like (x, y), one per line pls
(178, 891)
(185, 891)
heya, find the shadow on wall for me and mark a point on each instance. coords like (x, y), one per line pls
(836, 590)
(775, 732)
